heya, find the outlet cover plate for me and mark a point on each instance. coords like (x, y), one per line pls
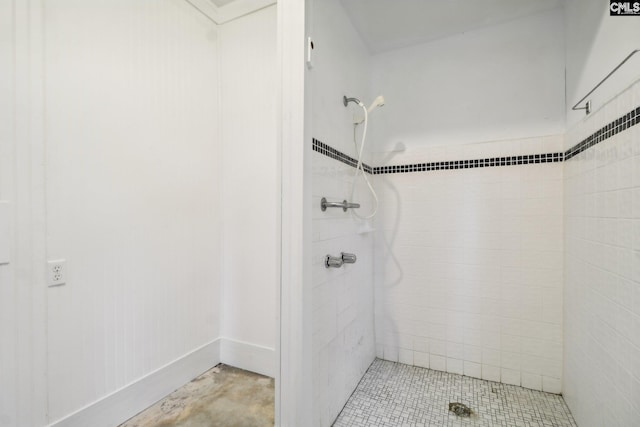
(56, 272)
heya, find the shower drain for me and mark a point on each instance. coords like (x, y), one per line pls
(460, 409)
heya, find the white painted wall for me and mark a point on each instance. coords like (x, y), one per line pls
(602, 271)
(123, 102)
(8, 307)
(500, 82)
(251, 191)
(294, 400)
(342, 299)
(468, 267)
(596, 43)
(22, 292)
(133, 178)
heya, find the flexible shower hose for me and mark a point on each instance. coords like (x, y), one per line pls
(360, 169)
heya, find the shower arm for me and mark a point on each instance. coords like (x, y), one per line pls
(346, 101)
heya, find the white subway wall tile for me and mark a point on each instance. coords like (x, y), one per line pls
(454, 366)
(510, 376)
(532, 381)
(344, 341)
(473, 354)
(601, 205)
(472, 369)
(421, 359)
(551, 385)
(490, 373)
(438, 363)
(391, 353)
(405, 356)
(476, 253)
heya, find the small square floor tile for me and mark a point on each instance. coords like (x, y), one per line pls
(393, 394)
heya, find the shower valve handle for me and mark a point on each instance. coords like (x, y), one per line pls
(348, 258)
(339, 261)
(333, 261)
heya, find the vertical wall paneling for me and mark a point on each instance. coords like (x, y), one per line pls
(110, 125)
(8, 306)
(294, 399)
(250, 202)
(133, 193)
(22, 290)
(5, 235)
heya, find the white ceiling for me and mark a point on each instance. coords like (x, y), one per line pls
(222, 11)
(392, 24)
(221, 3)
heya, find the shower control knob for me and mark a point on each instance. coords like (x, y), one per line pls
(333, 261)
(338, 261)
(348, 258)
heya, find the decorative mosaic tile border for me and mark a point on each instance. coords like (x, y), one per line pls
(632, 118)
(329, 151)
(470, 164)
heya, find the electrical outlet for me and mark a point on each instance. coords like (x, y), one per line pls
(57, 272)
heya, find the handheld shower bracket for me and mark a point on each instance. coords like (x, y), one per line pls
(358, 119)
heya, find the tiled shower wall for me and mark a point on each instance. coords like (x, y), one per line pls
(602, 268)
(468, 270)
(342, 298)
(343, 337)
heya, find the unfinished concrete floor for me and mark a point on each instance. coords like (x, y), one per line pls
(223, 396)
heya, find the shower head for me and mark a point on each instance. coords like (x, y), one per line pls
(378, 102)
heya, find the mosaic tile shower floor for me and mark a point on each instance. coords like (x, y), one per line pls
(393, 394)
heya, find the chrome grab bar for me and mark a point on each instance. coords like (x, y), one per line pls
(344, 205)
(587, 106)
(338, 261)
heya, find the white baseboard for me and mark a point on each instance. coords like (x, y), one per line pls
(119, 406)
(123, 404)
(249, 357)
